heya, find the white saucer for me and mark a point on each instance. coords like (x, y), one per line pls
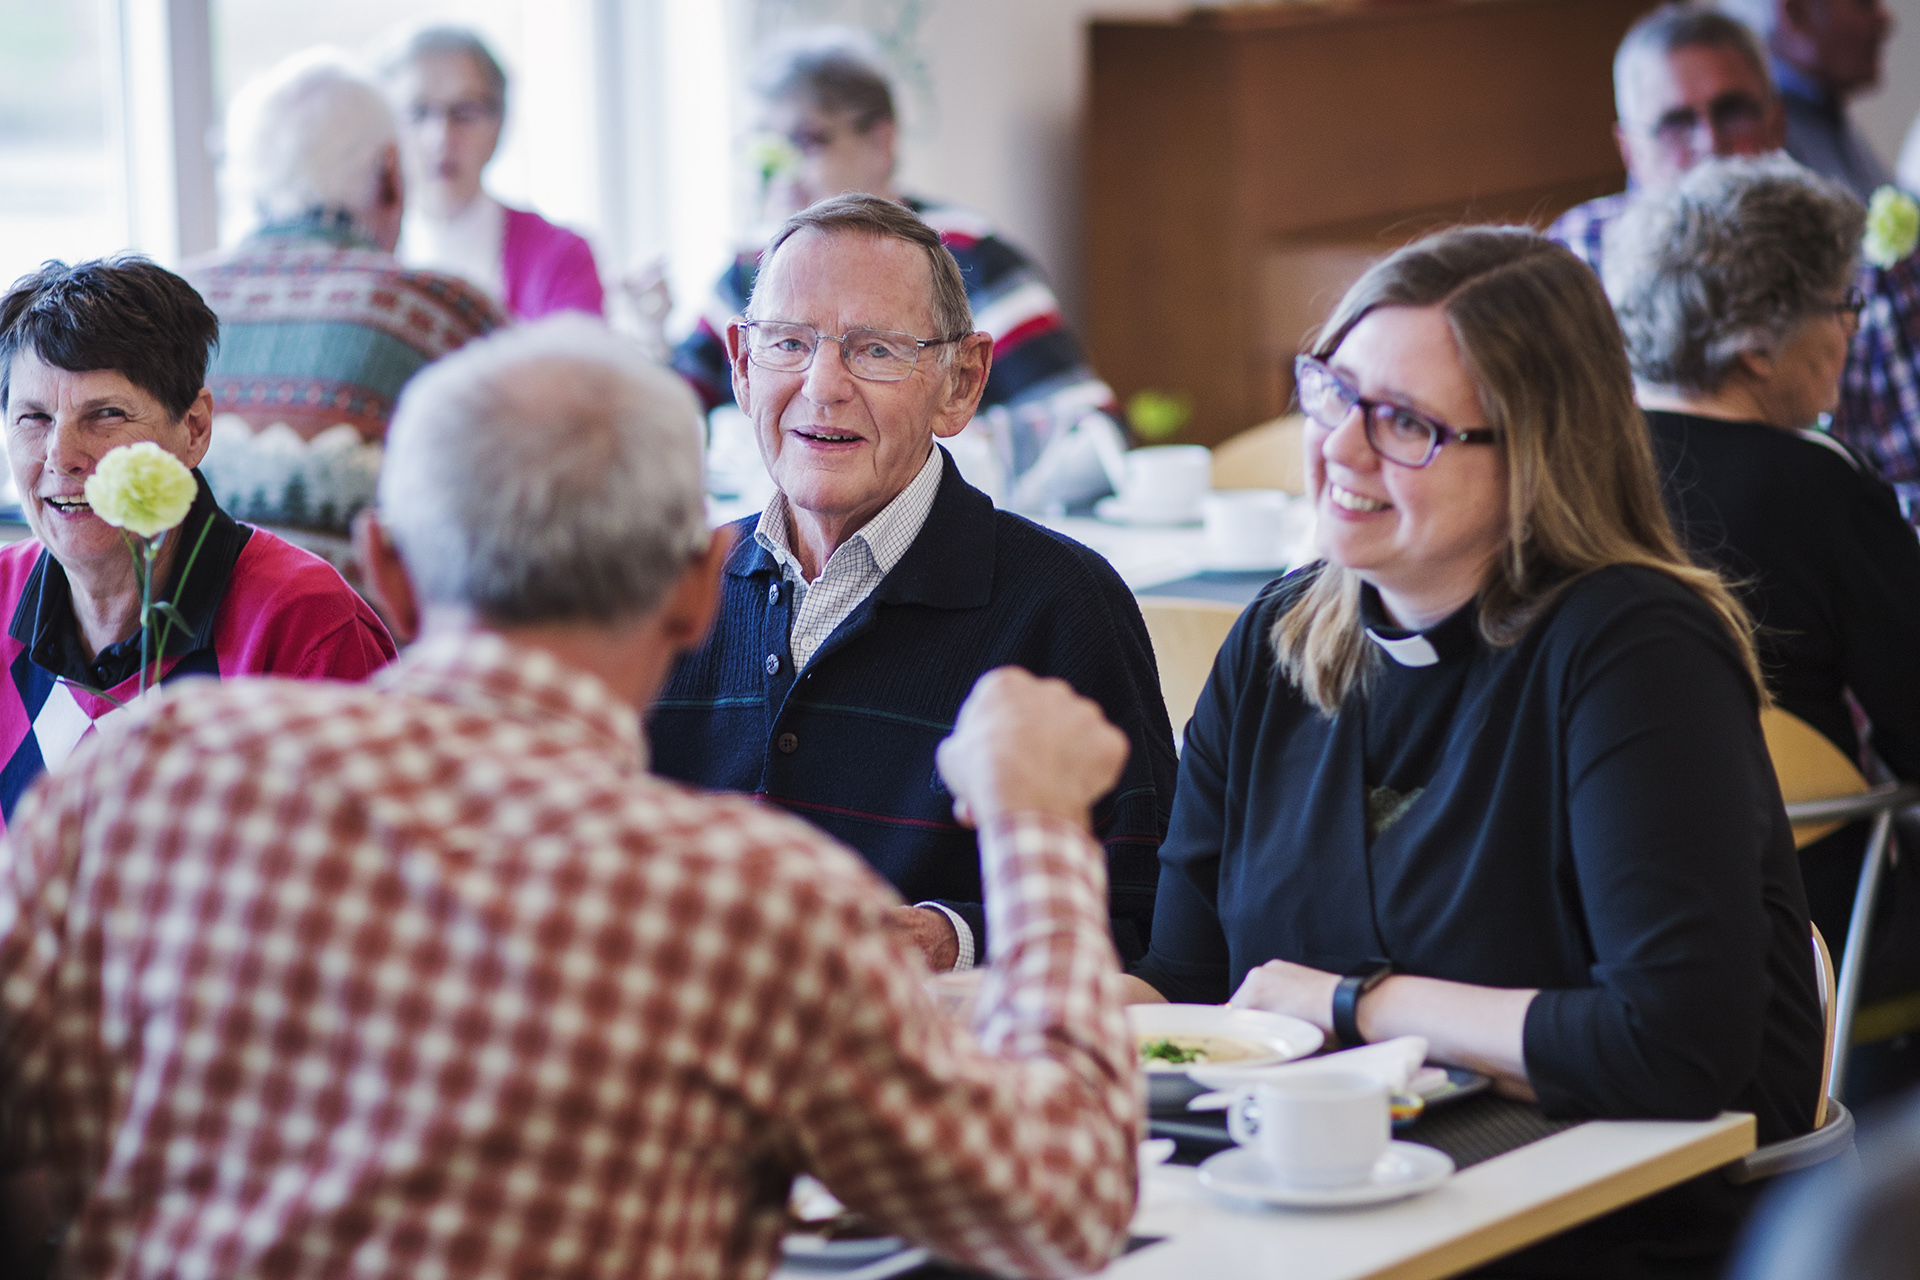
(1407, 1169)
(1116, 510)
(845, 1252)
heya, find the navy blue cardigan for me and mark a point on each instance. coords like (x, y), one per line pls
(849, 744)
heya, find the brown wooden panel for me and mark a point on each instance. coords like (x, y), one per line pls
(1217, 140)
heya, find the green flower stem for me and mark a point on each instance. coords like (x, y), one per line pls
(166, 633)
(146, 607)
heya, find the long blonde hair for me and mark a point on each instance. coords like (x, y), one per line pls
(1541, 344)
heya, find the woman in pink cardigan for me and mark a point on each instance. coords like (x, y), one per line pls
(451, 96)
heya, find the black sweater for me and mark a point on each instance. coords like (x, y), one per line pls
(1820, 554)
(1593, 814)
(849, 744)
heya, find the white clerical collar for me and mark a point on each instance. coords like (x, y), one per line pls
(1409, 651)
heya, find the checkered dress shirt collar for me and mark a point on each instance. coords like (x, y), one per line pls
(857, 565)
(425, 977)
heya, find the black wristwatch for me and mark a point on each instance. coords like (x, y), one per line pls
(1361, 979)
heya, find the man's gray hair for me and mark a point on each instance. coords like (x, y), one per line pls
(834, 70)
(865, 215)
(308, 134)
(1683, 25)
(447, 40)
(1738, 257)
(548, 474)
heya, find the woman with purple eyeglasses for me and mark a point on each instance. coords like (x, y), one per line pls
(1490, 770)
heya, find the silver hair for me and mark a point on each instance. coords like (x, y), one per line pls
(548, 474)
(1738, 257)
(309, 134)
(860, 214)
(1684, 25)
(836, 70)
(451, 40)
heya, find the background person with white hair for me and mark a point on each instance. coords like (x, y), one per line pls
(487, 998)
(320, 324)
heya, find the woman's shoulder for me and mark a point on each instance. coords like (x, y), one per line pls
(1621, 607)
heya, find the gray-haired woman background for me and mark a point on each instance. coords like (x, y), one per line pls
(1735, 296)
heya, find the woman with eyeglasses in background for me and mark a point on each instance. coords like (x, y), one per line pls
(1735, 294)
(1490, 771)
(450, 95)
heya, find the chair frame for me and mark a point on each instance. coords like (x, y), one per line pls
(1832, 1134)
(1880, 803)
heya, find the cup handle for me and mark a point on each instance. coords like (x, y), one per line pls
(1242, 1127)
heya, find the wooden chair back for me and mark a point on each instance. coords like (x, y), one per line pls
(1263, 457)
(1186, 636)
(1823, 983)
(1809, 767)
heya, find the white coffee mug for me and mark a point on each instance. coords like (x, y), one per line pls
(1168, 477)
(1246, 527)
(1314, 1128)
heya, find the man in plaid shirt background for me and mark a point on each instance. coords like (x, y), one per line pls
(430, 977)
(1690, 82)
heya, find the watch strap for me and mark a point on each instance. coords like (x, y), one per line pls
(1358, 981)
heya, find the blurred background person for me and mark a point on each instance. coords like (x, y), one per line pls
(451, 97)
(320, 323)
(1824, 53)
(1735, 294)
(1691, 82)
(1847, 1219)
(826, 107)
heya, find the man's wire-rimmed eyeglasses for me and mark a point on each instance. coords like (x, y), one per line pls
(877, 355)
(1397, 433)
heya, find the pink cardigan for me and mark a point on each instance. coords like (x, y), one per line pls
(547, 268)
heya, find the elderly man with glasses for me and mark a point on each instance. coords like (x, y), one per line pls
(877, 585)
(1691, 82)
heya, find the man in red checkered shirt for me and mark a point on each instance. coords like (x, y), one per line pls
(430, 977)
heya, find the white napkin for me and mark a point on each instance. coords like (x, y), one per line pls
(1392, 1062)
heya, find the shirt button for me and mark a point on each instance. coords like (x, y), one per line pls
(773, 664)
(773, 594)
(788, 744)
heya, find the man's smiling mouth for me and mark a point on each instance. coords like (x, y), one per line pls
(69, 506)
(827, 437)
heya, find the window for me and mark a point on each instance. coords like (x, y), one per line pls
(62, 191)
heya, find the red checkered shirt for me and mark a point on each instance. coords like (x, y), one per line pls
(428, 977)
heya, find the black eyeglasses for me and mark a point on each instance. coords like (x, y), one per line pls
(1733, 117)
(1397, 433)
(1851, 304)
(878, 355)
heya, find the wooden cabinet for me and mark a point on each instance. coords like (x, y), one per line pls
(1244, 165)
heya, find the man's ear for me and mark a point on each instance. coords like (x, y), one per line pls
(688, 613)
(737, 362)
(966, 382)
(386, 577)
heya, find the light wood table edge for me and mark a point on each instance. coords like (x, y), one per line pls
(1583, 1204)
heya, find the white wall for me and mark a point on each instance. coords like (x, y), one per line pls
(1885, 114)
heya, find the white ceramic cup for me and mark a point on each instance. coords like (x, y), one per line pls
(1314, 1129)
(1246, 526)
(1167, 477)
